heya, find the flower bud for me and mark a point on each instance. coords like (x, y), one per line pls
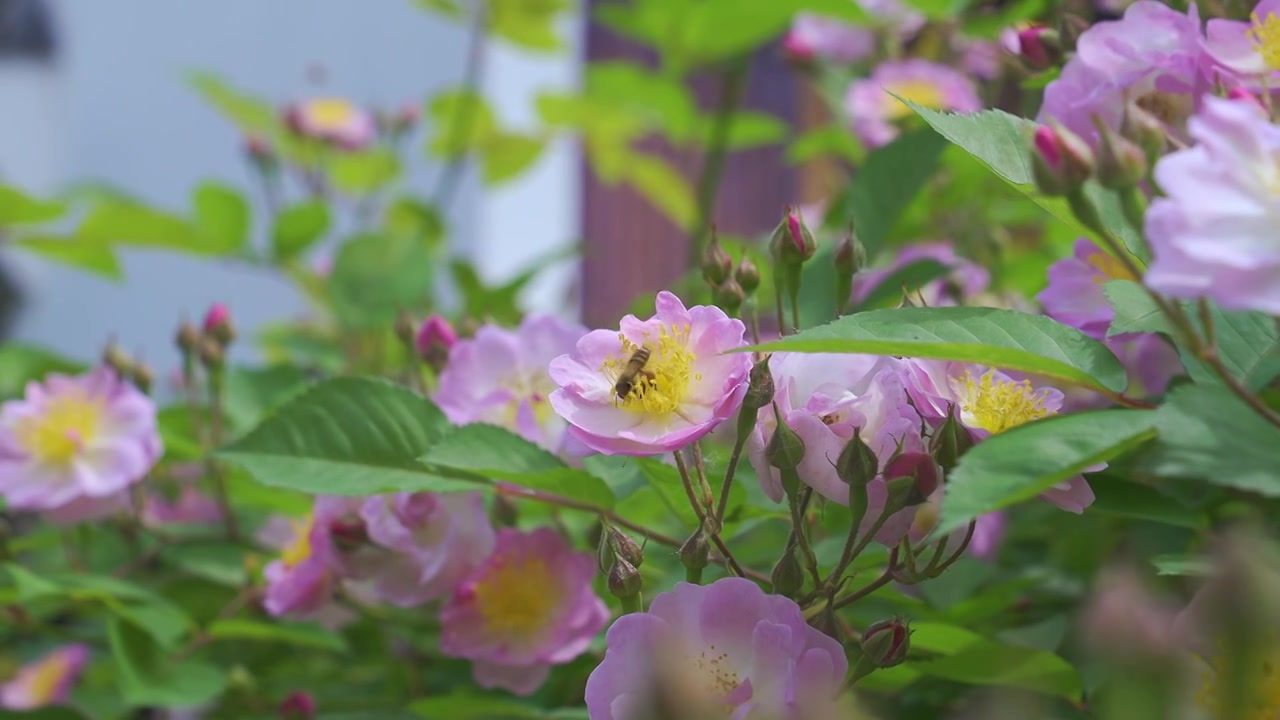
(730, 296)
(624, 579)
(142, 377)
(217, 324)
(850, 256)
(259, 152)
(792, 242)
(825, 622)
(747, 275)
(787, 576)
(404, 328)
(1040, 46)
(899, 492)
(695, 553)
(759, 386)
(950, 442)
(796, 50)
(299, 705)
(716, 263)
(1061, 161)
(624, 546)
(1121, 163)
(785, 449)
(117, 359)
(1144, 130)
(434, 340)
(921, 468)
(887, 642)
(188, 338)
(211, 353)
(1243, 94)
(857, 464)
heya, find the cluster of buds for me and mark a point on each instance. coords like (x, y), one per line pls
(133, 370)
(619, 559)
(1062, 161)
(210, 343)
(730, 285)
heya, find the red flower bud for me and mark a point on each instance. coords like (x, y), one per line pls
(299, 705)
(887, 642)
(435, 338)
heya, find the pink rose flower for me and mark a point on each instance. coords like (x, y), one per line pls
(1248, 51)
(824, 398)
(732, 647)
(75, 437)
(333, 120)
(988, 402)
(1214, 235)
(1152, 56)
(444, 538)
(528, 607)
(191, 507)
(500, 377)
(46, 681)
(689, 384)
(872, 110)
(301, 582)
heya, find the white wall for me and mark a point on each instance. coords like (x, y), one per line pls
(122, 113)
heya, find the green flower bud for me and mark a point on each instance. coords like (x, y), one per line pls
(792, 242)
(624, 579)
(624, 546)
(950, 441)
(747, 275)
(785, 449)
(787, 576)
(188, 337)
(730, 296)
(1060, 160)
(117, 359)
(695, 553)
(760, 386)
(1121, 163)
(716, 263)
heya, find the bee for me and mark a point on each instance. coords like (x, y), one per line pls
(634, 370)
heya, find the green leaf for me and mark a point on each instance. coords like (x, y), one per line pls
(298, 227)
(16, 207)
(147, 676)
(1023, 462)
(850, 12)
(988, 663)
(1191, 565)
(412, 217)
(131, 223)
(82, 253)
(505, 156)
(249, 113)
(1000, 338)
(1248, 342)
(939, 9)
(1124, 498)
(1207, 433)
(462, 120)
(886, 184)
(221, 563)
(497, 453)
(662, 185)
(376, 277)
(222, 215)
(633, 93)
(346, 436)
(826, 141)
(21, 364)
(1002, 142)
(300, 634)
(463, 705)
(155, 614)
(250, 393)
(361, 173)
(529, 24)
(719, 29)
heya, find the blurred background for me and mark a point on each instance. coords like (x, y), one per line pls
(95, 92)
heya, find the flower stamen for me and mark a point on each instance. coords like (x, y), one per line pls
(665, 379)
(998, 405)
(1266, 39)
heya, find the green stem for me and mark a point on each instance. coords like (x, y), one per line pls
(722, 505)
(885, 578)
(712, 532)
(631, 604)
(800, 531)
(853, 547)
(693, 575)
(733, 81)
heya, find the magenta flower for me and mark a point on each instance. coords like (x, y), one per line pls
(500, 376)
(988, 402)
(689, 384)
(86, 508)
(735, 647)
(435, 334)
(332, 120)
(528, 607)
(1248, 51)
(872, 110)
(443, 538)
(71, 438)
(1215, 235)
(1152, 56)
(190, 507)
(301, 582)
(824, 398)
(966, 280)
(815, 36)
(46, 681)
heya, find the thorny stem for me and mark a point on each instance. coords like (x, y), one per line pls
(610, 516)
(733, 81)
(1088, 214)
(712, 532)
(461, 122)
(885, 578)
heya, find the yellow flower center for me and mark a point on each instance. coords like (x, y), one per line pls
(518, 597)
(69, 423)
(45, 678)
(920, 92)
(717, 674)
(300, 548)
(1263, 681)
(662, 384)
(1266, 39)
(1108, 267)
(330, 113)
(997, 405)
